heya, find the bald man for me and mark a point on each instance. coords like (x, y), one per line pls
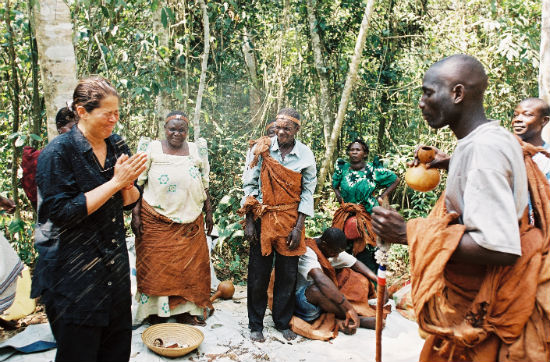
(473, 285)
(530, 117)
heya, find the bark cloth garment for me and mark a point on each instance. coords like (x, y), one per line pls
(356, 288)
(172, 259)
(483, 313)
(281, 190)
(364, 224)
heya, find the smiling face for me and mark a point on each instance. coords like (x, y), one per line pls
(101, 121)
(286, 130)
(176, 131)
(356, 152)
(528, 120)
(436, 101)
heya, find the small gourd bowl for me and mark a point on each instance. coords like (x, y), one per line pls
(175, 332)
(425, 154)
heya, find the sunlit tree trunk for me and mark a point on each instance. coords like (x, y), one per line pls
(35, 69)
(324, 98)
(544, 68)
(162, 100)
(204, 68)
(344, 100)
(254, 93)
(15, 94)
(54, 34)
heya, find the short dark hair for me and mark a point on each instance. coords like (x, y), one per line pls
(176, 113)
(289, 112)
(361, 142)
(334, 238)
(63, 117)
(544, 107)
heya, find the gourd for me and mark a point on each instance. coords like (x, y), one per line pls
(420, 178)
(225, 290)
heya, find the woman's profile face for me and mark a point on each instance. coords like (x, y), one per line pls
(176, 132)
(102, 120)
(356, 152)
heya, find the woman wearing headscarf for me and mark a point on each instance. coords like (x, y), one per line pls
(355, 184)
(173, 265)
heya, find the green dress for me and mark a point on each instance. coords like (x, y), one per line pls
(358, 187)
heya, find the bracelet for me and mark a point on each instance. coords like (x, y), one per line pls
(343, 300)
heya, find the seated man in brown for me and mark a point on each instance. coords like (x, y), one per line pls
(316, 287)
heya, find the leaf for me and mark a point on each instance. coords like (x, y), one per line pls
(36, 137)
(105, 11)
(164, 18)
(20, 141)
(16, 225)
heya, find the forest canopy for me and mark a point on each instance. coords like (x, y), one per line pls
(261, 56)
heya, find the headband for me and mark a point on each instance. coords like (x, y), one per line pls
(269, 125)
(284, 117)
(176, 116)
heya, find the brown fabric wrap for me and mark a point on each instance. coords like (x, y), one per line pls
(483, 313)
(356, 288)
(281, 190)
(364, 224)
(172, 259)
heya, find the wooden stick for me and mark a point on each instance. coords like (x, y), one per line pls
(380, 292)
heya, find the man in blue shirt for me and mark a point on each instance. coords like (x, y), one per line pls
(278, 195)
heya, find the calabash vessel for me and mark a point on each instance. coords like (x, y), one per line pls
(420, 178)
(225, 290)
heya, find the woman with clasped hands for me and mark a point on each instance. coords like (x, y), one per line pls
(85, 179)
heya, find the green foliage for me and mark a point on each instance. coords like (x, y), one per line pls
(124, 41)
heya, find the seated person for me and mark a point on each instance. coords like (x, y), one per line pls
(530, 117)
(319, 289)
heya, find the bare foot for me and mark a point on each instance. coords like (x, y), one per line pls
(257, 336)
(288, 334)
(155, 319)
(369, 322)
(187, 318)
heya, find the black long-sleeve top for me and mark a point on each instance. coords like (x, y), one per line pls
(83, 263)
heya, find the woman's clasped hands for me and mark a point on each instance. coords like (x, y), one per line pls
(128, 169)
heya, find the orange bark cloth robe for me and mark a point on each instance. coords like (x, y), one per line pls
(173, 259)
(354, 286)
(364, 224)
(483, 313)
(281, 190)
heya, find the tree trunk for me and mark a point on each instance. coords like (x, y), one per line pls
(254, 93)
(36, 104)
(54, 34)
(544, 67)
(344, 100)
(162, 100)
(204, 67)
(14, 77)
(324, 98)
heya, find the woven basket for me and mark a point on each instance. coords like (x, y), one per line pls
(174, 332)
